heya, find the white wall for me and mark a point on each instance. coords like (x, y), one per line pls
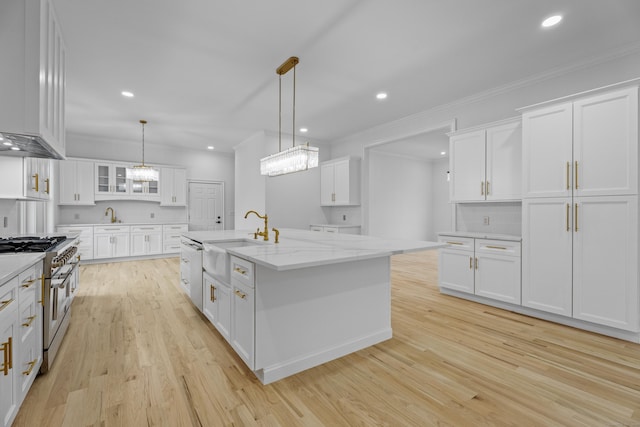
(400, 194)
(442, 211)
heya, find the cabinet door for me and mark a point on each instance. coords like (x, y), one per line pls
(547, 154)
(103, 179)
(326, 185)
(32, 178)
(605, 285)
(180, 187)
(456, 270)
(223, 318)
(8, 383)
(67, 181)
(138, 244)
(606, 144)
(504, 162)
(341, 183)
(242, 328)
(84, 183)
(546, 254)
(119, 179)
(120, 244)
(498, 277)
(467, 163)
(154, 243)
(102, 246)
(44, 174)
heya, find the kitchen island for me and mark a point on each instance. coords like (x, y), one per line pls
(309, 299)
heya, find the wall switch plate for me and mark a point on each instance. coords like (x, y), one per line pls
(344, 217)
(152, 215)
(6, 221)
(486, 220)
(76, 216)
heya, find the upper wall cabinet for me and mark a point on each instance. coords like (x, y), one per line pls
(485, 162)
(174, 187)
(583, 147)
(75, 178)
(340, 182)
(111, 180)
(33, 75)
(24, 178)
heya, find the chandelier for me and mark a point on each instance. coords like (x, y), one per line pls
(142, 173)
(297, 158)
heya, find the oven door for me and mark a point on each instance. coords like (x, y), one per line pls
(59, 299)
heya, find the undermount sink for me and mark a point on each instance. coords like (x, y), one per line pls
(216, 259)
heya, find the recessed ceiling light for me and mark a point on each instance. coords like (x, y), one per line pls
(303, 130)
(210, 147)
(1, 137)
(551, 21)
(7, 143)
(15, 148)
(381, 95)
(443, 153)
(127, 94)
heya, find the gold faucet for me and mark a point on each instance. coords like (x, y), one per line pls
(264, 233)
(113, 214)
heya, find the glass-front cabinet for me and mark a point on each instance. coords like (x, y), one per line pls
(111, 179)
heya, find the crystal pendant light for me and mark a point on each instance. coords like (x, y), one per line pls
(297, 158)
(142, 173)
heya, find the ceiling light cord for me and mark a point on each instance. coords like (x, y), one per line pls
(293, 129)
(143, 122)
(279, 112)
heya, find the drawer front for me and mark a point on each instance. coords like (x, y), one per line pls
(85, 232)
(171, 248)
(9, 295)
(171, 228)
(459, 243)
(332, 229)
(110, 229)
(242, 270)
(146, 228)
(28, 281)
(498, 247)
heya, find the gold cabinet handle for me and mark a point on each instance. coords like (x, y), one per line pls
(568, 175)
(575, 170)
(239, 270)
(42, 294)
(5, 304)
(486, 191)
(28, 283)
(455, 243)
(576, 217)
(568, 208)
(7, 350)
(482, 188)
(240, 294)
(476, 263)
(31, 366)
(36, 188)
(29, 321)
(497, 247)
(470, 263)
(212, 291)
(47, 181)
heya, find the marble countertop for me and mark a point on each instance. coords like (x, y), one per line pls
(303, 248)
(12, 264)
(479, 235)
(99, 224)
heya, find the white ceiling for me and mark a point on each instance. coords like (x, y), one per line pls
(203, 71)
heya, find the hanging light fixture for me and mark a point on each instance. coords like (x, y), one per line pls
(297, 158)
(142, 173)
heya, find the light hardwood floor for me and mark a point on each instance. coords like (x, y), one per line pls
(138, 353)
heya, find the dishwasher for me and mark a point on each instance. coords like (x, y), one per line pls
(191, 270)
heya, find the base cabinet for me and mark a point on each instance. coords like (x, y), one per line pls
(111, 241)
(146, 240)
(484, 267)
(217, 305)
(243, 322)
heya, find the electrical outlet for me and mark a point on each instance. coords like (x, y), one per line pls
(152, 215)
(486, 220)
(76, 216)
(344, 217)
(6, 221)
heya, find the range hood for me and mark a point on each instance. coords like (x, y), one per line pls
(18, 145)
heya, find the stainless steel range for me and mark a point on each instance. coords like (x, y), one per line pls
(58, 284)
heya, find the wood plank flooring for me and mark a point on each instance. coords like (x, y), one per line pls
(138, 353)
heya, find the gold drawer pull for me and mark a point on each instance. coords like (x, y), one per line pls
(455, 243)
(37, 187)
(31, 364)
(28, 283)
(7, 351)
(29, 321)
(239, 270)
(240, 294)
(470, 263)
(497, 247)
(5, 304)
(212, 290)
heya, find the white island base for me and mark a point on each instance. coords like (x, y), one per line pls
(309, 316)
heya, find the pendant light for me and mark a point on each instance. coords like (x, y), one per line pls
(142, 173)
(297, 158)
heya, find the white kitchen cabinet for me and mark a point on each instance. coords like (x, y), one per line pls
(344, 229)
(9, 333)
(584, 147)
(340, 182)
(171, 237)
(485, 162)
(145, 190)
(25, 178)
(146, 240)
(111, 180)
(173, 187)
(217, 305)
(484, 267)
(85, 239)
(110, 241)
(547, 254)
(605, 260)
(33, 87)
(243, 309)
(75, 178)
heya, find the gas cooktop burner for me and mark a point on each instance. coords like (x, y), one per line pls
(29, 244)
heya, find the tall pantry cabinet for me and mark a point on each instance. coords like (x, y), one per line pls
(580, 207)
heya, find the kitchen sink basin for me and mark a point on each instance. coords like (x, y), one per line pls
(216, 259)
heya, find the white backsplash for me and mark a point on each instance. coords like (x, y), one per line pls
(345, 215)
(504, 218)
(126, 211)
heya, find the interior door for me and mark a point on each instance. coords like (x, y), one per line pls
(206, 206)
